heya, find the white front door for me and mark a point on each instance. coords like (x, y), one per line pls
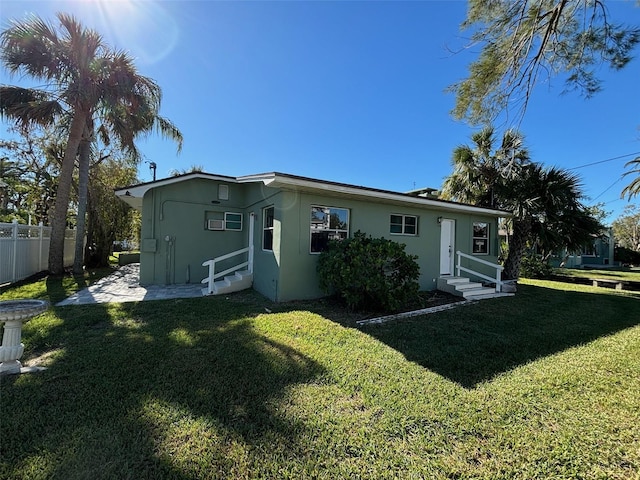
(447, 246)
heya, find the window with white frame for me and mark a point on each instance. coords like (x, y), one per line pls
(403, 224)
(480, 238)
(327, 223)
(232, 221)
(589, 250)
(267, 228)
(224, 221)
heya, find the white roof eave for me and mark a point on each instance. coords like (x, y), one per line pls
(390, 197)
(134, 194)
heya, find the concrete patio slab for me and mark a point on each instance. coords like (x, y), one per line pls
(123, 286)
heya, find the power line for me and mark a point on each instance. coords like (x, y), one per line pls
(607, 189)
(620, 199)
(604, 161)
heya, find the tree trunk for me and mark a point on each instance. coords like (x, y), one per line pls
(103, 250)
(84, 154)
(99, 241)
(59, 217)
(88, 248)
(517, 245)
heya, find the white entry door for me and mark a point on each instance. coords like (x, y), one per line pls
(447, 246)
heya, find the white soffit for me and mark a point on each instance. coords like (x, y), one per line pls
(133, 194)
(337, 189)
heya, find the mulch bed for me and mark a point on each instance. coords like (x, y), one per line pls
(332, 309)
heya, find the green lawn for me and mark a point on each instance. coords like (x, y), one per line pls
(620, 274)
(540, 385)
(53, 289)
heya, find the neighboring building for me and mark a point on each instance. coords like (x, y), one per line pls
(598, 253)
(281, 222)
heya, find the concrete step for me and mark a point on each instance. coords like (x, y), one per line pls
(488, 296)
(225, 282)
(240, 280)
(467, 286)
(454, 280)
(463, 287)
(477, 292)
(243, 274)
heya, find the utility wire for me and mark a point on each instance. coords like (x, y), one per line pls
(607, 189)
(614, 200)
(604, 161)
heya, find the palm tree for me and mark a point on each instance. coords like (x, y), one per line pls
(84, 154)
(83, 79)
(546, 210)
(545, 201)
(121, 124)
(478, 169)
(633, 188)
(70, 62)
(174, 172)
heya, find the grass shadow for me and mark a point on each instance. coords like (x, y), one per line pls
(332, 309)
(52, 288)
(474, 343)
(133, 382)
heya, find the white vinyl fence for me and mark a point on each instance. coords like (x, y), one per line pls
(24, 250)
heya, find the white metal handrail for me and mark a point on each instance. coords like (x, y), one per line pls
(209, 279)
(499, 268)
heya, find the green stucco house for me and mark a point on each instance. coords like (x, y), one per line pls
(599, 253)
(267, 230)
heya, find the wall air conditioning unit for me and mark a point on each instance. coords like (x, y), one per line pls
(215, 225)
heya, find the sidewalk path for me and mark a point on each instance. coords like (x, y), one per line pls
(122, 286)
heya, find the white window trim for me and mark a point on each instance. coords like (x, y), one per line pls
(404, 224)
(226, 222)
(328, 229)
(264, 227)
(474, 238)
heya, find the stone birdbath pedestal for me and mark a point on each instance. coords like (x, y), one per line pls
(13, 313)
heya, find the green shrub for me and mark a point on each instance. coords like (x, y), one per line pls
(369, 273)
(626, 256)
(533, 266)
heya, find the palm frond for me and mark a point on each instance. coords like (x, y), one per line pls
(28, 106)
(81, 47)
(103, 135)
(633, 188)
(168, 130)
(30, 47)
(82, 74)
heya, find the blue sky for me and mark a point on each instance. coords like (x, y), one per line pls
(351, 92)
